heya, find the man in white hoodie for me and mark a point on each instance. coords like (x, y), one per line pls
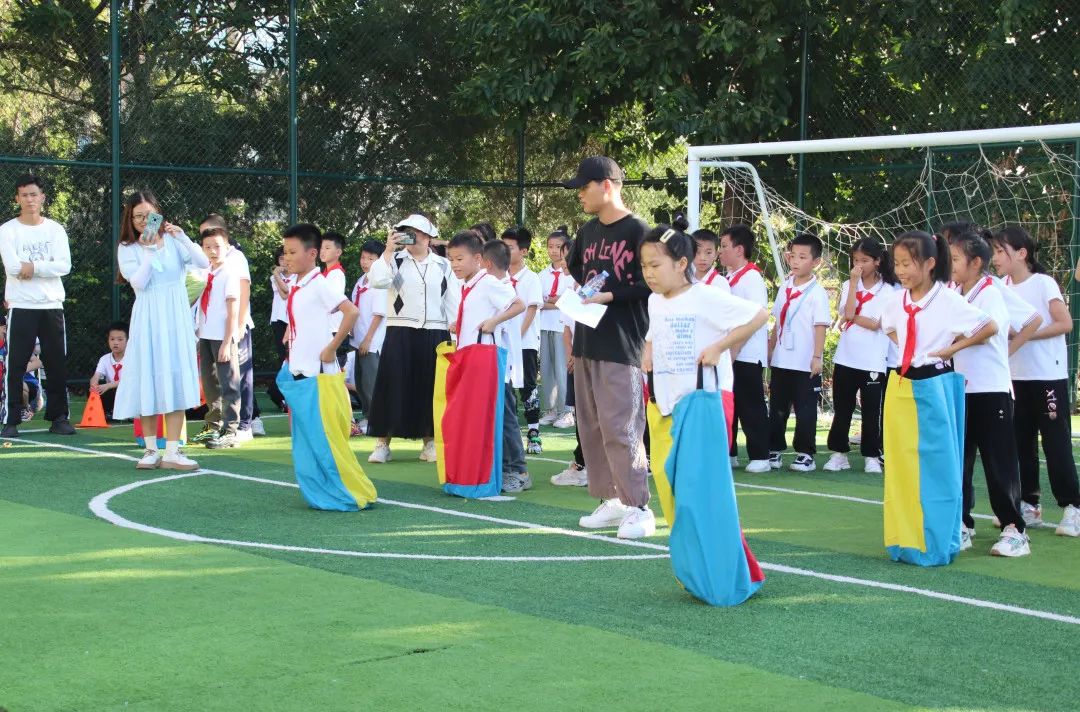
(36, 256)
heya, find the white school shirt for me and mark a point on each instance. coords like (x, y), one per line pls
(1045, 359)
(508, 336)
(370, 302)
(350, 368)
(549, 318)
(892, 359)
(679, 330)
(238, 261)
(527, 284)
(859, 347)
(795, 344)
(986, 366)
(713, 278)
(489, 296)
(211, 324)
(335, 277)
(944, 315)
(313, 302)
(747, 283)
(106, 367)
(277, 307)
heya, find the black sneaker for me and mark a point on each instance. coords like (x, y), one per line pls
(221, 440)
(10, 431)
(62, 426)
(205, 434)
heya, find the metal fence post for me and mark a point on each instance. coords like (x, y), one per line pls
(930, 189)
(1074, 286)
(294, 158)
(521, 172)
(804, 92)
(114, 117)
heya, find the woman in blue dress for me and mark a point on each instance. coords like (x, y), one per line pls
(161, 376)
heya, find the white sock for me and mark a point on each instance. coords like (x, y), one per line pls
(171, 447)
(151, 445)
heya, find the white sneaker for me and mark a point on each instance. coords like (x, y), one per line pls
(776, 460)
(151, 460)
(637, 523)
(608, 514)
(549, 417)
(1032, 514)
(428, 453)
(571, 477)
(564, 421)
(803, 463)
(837, 463)
(363, 426)
(1070, 523)
(257, 427)
(734, 462)
(872, 466)
(965, 538)
(381, 453)
(244, 436)
(758, 466)
(1011, 543)
(178, 461)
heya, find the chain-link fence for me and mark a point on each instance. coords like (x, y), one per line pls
(334, 112)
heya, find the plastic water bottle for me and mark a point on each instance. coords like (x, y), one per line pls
(593, 285)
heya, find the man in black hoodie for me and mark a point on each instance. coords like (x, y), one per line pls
(607, 360)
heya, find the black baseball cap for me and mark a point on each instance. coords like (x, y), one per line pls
(595, 168)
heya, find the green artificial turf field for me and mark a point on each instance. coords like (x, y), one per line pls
(430, 602)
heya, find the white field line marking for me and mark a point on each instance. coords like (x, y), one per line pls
(806, 493)
(101, 501)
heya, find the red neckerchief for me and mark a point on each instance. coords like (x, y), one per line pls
(461, 305)
(555, 282)
(713, 273)
(860, 299)
(204, 300)
(326, 272)
(977, 289)
(912, 336)
(116, 368)
(359, 292)
(288, 303)
(790, 295)
(734, 279)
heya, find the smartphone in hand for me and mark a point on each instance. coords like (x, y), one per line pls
(153, 227)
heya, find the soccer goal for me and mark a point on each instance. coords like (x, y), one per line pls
(849, 188)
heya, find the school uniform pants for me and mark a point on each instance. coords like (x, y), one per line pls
(278, 328)
(789, 388)
(108, 399)
(989, 428)
(579, 456)
(611, 422)
(221, 385)
(530, 396)
(870, 388)
(365, 369)
(750, 410)
(1042, 409)
(249, 409)
(552, 371)
(513, 451)
(25, 326)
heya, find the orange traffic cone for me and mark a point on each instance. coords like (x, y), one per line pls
(94, 414)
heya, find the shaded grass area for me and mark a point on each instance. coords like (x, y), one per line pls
(890, 646)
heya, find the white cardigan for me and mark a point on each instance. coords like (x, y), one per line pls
(420, 294)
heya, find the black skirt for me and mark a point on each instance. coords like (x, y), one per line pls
(401, 403)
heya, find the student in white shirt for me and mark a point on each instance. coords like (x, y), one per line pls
(706, 250)
(330, 251)
(554, 281)
(796, 347)
(106, 376)
(312, 346)
(745, 280)
(859, 364)
(370, 328)
(988, 396)
(690, 323)
(527, 285)
(36, 257)
(421, 299)
(280, 281)
(218, 330)
(1040, 384)
(488, 305)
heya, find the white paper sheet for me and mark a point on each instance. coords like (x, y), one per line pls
(588, 314)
